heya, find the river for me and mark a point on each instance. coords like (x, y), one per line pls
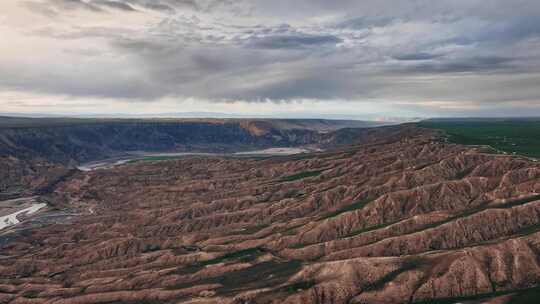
(9, 218)
(132, 156)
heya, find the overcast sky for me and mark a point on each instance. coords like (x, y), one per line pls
(280, 57)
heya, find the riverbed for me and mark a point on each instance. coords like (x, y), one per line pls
(140, 155)
(11, 210)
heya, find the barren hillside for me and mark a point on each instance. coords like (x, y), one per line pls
(403, 217)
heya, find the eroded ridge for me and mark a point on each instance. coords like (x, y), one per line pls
(405, 219)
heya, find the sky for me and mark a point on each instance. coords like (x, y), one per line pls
(302, 58)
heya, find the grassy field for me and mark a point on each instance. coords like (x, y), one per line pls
(520, 137)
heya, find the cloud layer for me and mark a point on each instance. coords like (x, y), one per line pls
(444, 58)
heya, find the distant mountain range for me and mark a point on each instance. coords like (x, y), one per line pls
(378, 118)
(42, 146)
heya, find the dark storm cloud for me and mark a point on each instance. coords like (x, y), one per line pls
(461, 65)
(255, 50)
(292, 41)
(475, 64)
(301, 85)
(417, 56)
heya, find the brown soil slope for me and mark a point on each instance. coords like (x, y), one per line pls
(399, 219)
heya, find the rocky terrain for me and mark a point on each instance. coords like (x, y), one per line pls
(402, 216)
(34, 152)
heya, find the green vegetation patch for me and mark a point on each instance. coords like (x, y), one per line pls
(262, 275)
(304, 156)
(529, 230)
(407, 265)
(298, 245)
(160, 158)
(480, 208)
(354, 206)
(244, 255)
(511, 136)
(301, 175)
(297, 286)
